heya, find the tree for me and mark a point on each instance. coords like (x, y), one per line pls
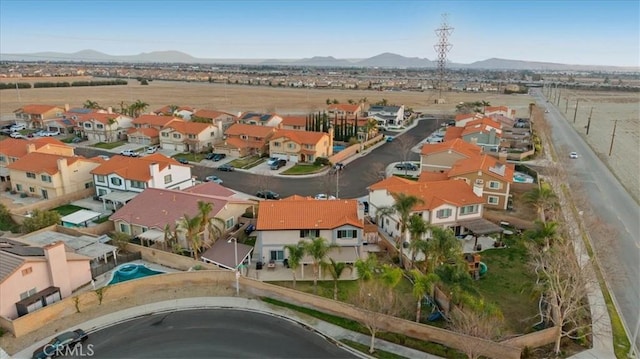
(485, 104)
(335, 269)
(402, 207)
(190, 226)
(40, 219)
(423, 284)
(213, 225)
(379, 301)
(110, 123)
(366, 268)
(296, 252)
(476, 318)
(443, 247)
(91, 104)
(543, 233)
(542, 198)
(317, 248)
(120, 240)
(417, 229)
(564, 281)
(370, 127)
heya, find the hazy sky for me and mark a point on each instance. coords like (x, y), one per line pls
(571, 32)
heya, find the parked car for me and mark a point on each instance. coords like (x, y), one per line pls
(184, 161)
(226, 168)
(250, 228)
(324, 196)
(58, 345)
(151, 149)
(51, 133)
(267, 195)
(216, 156)
(389, 139)
(77, 140)
(573, 155)
(212, 178)
(40, 133)
(278, 164)
(129, 153)
(17, 127)
(406, 166)
(272, 160)
(16, 135)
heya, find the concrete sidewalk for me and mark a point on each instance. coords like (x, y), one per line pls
(324, 328)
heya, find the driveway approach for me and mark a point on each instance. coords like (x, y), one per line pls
(211, 334)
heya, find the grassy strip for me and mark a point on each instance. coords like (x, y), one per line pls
(424, 346)
(191, 157)
(365, 349)
(621, 344)
(67, 209)
(109, 145)
(303, 169)
(247, 162)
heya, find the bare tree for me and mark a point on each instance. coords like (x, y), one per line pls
(483, 322)
(564, 281)
(405, 144)
(375, 297)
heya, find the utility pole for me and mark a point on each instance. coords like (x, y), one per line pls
(613, 135)
(338, 183)
(589, 120)
(558, 98)
(566, 105)
(575, 113)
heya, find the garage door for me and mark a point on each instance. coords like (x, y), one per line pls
(293, 159)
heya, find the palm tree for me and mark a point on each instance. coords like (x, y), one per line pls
(423, 284)
(366, 268)
(391, 276)
(542, 198)
(317, 248)
(544, 232)
(137, 108)
(335, 270)
(110, 123)
(91, 104)
(369, 127)
(417, 228)
(402, 207)
(190, 226)
(214, 226)
(484, 105)
(296, 252)
(444, 246)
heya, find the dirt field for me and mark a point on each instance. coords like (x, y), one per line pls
(624, 161)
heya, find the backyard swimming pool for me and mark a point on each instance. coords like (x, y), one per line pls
(520, 177)
(338, 148)
(131, 271)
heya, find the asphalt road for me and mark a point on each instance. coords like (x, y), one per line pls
(612, 203)
(222, 333)
(352, 181)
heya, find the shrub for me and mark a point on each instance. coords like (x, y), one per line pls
(322, 161)
(40, 219)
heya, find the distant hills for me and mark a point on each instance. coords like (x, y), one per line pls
(384, 60)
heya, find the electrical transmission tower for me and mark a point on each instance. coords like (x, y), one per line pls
(442, 48)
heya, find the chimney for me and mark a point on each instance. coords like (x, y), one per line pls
(66, 107)
(64, 171)
(57, 265)
(477, 187)
(109, 109)
(31, 147)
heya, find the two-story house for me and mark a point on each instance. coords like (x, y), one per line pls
(387, 116)
(33, 277)
(50, 175)
(297, 123)
(33, 116)
(462, 119)
(340, 222)
(300, 146)
(187, 136)
(440, 157)
(104, 127)
(121, 178)
(220, 119)
(345, 110)
(260, 119)
(183, 112)
(500, 110)
(484, 132)
(243, 140)
(146, 129)
(449, 204)
(147, 214)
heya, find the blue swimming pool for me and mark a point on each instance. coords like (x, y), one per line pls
(338, 148)
(520, 177)
(131, 271)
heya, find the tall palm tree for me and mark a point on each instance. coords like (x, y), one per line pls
(110, 123)
(423, 284)
(485, 104)
(402, 207)
(369, 127)
(296, 252)
(391, 276)
(366, 268)
(417, 228)
(91, 105)
(190, 226)
(543, 233)
(335, 269)
(542, 198)
(443, 247)
(214, 226)
(317, 248)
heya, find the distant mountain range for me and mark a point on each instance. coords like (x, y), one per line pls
(385, 60)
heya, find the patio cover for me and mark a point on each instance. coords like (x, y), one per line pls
(117, 197)
(222, 254)
(81, 216)
(152, 235)
(480, 226)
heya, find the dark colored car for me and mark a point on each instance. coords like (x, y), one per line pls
(184, 161)
(250, 228)
(278, 164)
(226, 168)
(58, 346)
(216, 156)
(406, 167)
(267, 195)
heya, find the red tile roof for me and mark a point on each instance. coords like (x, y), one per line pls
(427, 176)
(346, 107)
(238, 129)
(300, 137)
(38, 109)
(487, 164)
(15, 147)
(294, 121)
(482, 125)
(37, 162)
(153, 120)
(188, 127)
(99, 117)
(294, 213)
(433, 194)
(457, 145)
(211, 114)
(452, 133)
(134, 168)
(145, 131)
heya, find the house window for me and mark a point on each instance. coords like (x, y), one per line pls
(99, 126)
(309, 233)
(229, 223)
(32, 190)
(244, 137)
(18, 187)
(31, 175)
(88, 185)
(167, 179)
(444, 213)
(469, 209)
(212, 134)
(100, 178)
(191, 136)
(176, 135)
(494, 185)
(87, 125)
(28, 293)
(291, 146)
(276, 144)
(3, 159)
(164, 134)
(124, 228)
(116, 181)
(277, 255)
(27, 271)
(45, 178)
(347, 233)
(493, 200)
(137, 184)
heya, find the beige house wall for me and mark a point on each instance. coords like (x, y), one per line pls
(502, 193)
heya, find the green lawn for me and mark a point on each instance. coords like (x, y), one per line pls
(67, 209)
(191, 157)
(508, 284)
(109, 145)
(303, 169)
(247, 162)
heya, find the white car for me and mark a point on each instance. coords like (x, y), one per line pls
(573, 155)
(129, 153)
(51, 133)
(151, 149)
(17, 135)
(17, 127)
(324, 196)
(215, 179)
